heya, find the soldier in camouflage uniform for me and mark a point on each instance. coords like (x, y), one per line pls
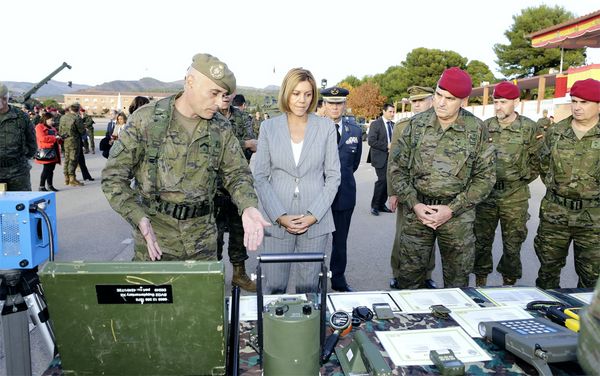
(71, 128)
(588, 351)
(17, 145)
(544, 122)
(570, 211)
(441, 168)
(89, 145)
(421, 99)
(517, 140)
(175, 149)
(226, 213)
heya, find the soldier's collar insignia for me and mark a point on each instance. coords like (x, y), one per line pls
(217, 71)
(335, 91)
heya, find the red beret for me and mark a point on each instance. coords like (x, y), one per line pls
(506, 90)
(588, 90)
(456, 81)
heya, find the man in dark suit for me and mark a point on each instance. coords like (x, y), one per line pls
(379, 139)
(350, 149)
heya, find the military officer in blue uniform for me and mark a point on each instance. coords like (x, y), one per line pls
(349, 136)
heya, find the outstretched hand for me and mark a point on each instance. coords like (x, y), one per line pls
(254, 225)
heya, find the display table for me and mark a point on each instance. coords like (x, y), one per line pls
(502, 362)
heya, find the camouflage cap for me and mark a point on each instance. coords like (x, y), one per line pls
(216, 70)
(3, 90)
(419, 92)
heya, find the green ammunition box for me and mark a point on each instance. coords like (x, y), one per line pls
(138, 318)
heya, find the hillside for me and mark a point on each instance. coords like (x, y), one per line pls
(56, 89)
(146, 84)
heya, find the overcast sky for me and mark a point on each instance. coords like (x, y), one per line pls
(260, 40)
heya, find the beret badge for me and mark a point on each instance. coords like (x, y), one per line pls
(217, 71)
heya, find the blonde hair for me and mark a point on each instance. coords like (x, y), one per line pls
(290, 81)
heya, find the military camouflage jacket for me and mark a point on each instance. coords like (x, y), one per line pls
(457, 164)
(241, 126)
(517, 148)
(570, 167)
(398, 129)
(88, 122)
(72, 127)
(187, 166)
(544, 123)
(17, 141)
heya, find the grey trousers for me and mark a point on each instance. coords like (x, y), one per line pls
(277, 276)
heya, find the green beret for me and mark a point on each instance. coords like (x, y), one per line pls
(419, 92)
(3, 90)
(216, 70)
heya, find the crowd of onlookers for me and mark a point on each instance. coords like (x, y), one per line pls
(46, 123)
(77, 135)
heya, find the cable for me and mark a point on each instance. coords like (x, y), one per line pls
(36, 207)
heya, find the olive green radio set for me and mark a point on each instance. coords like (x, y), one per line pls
(291, 331)
(138, 318)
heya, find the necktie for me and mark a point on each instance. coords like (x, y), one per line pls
(389, 129)
(337, 132)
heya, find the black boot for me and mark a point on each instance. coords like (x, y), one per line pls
(42, 189)
(51, 188)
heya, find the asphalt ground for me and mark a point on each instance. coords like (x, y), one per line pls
(88, 229)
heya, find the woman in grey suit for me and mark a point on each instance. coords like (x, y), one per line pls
(296, 174)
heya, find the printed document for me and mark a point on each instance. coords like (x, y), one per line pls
(419, 301)
(411, 347)
(470, 318)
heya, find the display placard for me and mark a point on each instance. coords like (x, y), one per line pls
(129, 294)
